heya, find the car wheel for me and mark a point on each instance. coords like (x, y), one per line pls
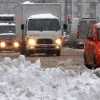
(58, 53)
(95, 64)
(27, 53)
(86, 64)
(49, 53)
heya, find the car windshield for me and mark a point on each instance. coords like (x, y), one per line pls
(8, 37)
(92, 22)
(6, 18)
(98, 34)
(43, 24)
(84, 26)
(7, 29)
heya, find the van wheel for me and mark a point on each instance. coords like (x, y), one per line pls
(49, 53)
(85, 63)
(58, 53)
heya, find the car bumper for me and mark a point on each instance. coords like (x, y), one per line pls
(43, 48)
(9, 48)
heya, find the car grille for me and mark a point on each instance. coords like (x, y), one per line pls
(9, 44)
(44, 41)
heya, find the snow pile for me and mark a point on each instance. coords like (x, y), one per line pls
(27, 2)
(21, 80)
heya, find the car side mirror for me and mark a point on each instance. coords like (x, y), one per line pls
(90, 38)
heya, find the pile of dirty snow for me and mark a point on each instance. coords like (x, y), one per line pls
(21, 80)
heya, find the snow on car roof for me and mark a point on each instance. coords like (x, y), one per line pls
(7, 34)
(7, 15)
(27, 2)
(42, 16)
(7, 24)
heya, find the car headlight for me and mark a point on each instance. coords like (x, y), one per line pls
(58, 41)
(31, 42)
(3, 44)
(16, 44)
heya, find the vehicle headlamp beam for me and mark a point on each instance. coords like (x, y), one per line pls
(3, 44)
(16, 44)
(31, 42)
(58, 41)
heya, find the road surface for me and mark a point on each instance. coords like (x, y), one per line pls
(76, 55)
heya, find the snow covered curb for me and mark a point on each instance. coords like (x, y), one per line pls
(21, 80)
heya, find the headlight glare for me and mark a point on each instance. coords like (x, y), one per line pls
(58, 41)
(16, 44)
(3, 44)
(31, 41)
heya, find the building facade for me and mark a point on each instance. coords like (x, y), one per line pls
(70, 9)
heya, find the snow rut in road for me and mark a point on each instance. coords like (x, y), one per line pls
(68, 64)
(22, 80)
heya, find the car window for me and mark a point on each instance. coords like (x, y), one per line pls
(90, 32)
(93, 32)
(98, 34)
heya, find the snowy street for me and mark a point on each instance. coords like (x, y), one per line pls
(22, 80)
(76, 56)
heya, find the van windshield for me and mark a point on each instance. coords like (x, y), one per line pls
(43, 24)
(7, 37)
(7, 29)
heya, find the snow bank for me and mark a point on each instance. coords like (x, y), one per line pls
(21, 80)
(27, 2)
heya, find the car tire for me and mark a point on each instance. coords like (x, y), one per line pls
(86, 64)
(58, 53)
(95, 64)
(27, 53)
(49, 53)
